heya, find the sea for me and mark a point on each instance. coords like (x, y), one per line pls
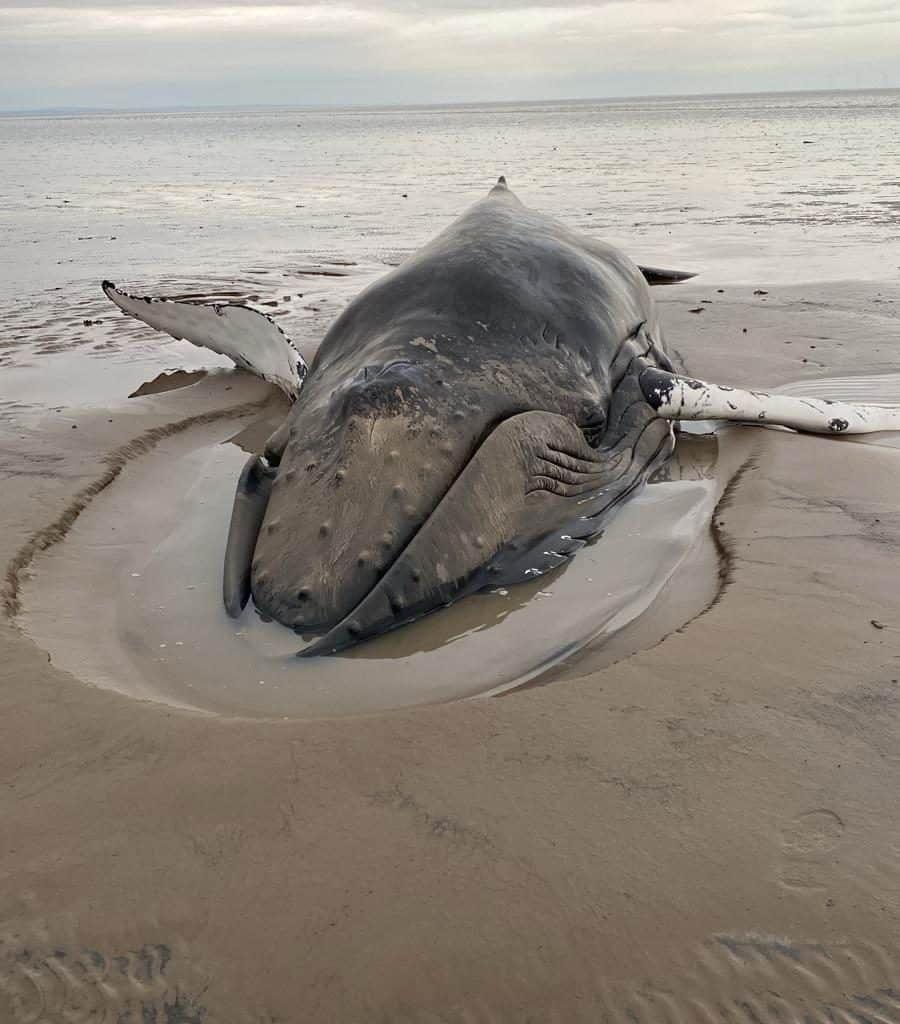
(297, 208)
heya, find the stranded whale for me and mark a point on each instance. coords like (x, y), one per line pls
(469, 420)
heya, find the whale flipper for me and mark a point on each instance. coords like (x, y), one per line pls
(677, 397)
(250, 501)
(657, 275)
(253, 340)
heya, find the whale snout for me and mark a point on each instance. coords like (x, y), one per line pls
(344, 505)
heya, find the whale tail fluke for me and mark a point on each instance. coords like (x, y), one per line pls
(248, 337)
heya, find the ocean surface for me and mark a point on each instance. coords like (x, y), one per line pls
(297, 209)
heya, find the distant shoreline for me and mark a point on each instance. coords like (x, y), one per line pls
(87, 111)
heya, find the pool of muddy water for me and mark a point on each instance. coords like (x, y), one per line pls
(130, 600)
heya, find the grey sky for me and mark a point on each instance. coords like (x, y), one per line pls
(420, 51)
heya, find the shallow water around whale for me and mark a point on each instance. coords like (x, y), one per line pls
(131, 599)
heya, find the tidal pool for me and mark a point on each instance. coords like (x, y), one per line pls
(130, 600)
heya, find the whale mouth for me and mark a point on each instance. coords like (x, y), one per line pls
(534, 477)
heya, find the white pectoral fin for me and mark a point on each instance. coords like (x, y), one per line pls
(253, 340)
(683, 398)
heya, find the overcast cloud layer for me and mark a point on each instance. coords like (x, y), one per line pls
(168, 53)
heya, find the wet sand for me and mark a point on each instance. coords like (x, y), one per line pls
(706, 830)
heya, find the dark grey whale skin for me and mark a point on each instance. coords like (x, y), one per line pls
(469, 420)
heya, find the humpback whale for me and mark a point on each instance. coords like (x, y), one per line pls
(470, 419)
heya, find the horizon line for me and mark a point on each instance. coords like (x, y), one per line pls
(204, 107)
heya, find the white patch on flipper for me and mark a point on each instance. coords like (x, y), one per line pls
(251, 338)
(683, 398)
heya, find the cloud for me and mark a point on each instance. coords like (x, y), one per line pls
(374, 51)
(418, 7)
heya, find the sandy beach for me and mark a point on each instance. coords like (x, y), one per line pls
(705, 830)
